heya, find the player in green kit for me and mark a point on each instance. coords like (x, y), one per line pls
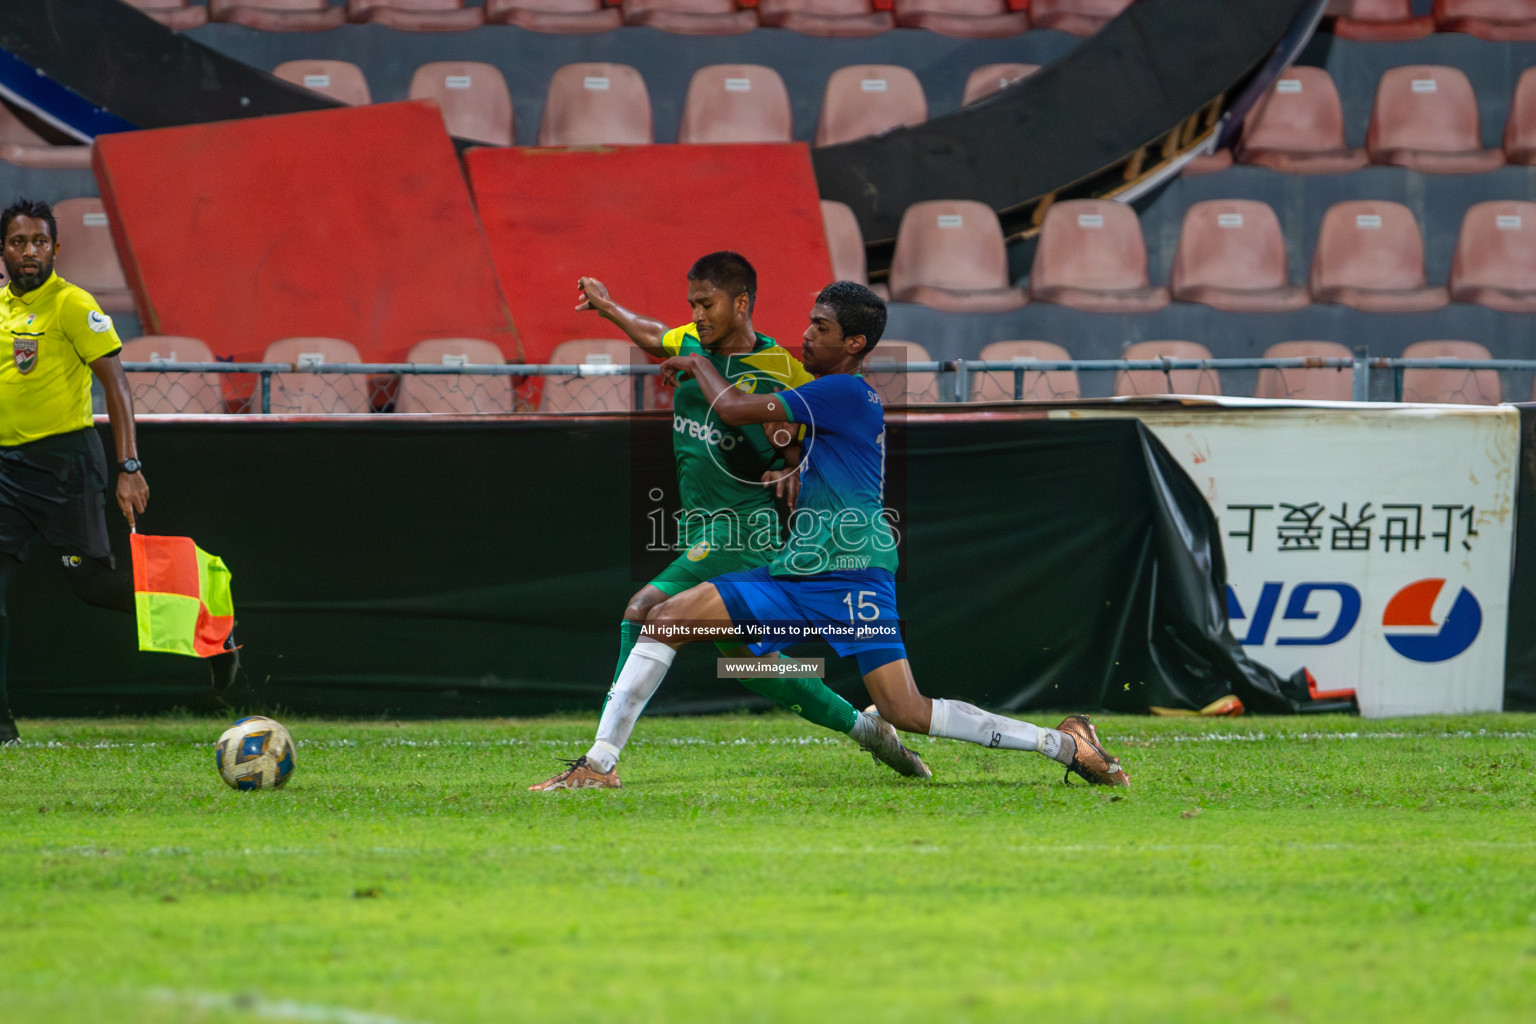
(727, 479)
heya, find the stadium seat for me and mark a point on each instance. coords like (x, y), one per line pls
(278, 15)
(736, 103)
(845, 242)
(1520, 127)
(950, 255)
(1425, 119)
(1378, 21)
(302, 393)
(1370, 255)
(886, 370)
(173, 14)
(1231, 256)
(1091, 255)
(867, 99)
(417, 15)
(1039, 385)
(338, 80)
(86, 255)
(1298, 127)
(690, 17)
(474, 99)
(591, 393)
(1495, 20)
(1317, 384)
(1079, 17)
(969, 19)
(565, 17)
(596, 104)
(466, 393)
(835, 18)
(993, 78)
(1495, 261)
(1167, 382)
(21, 146)
(1450, 387)
(172, 392)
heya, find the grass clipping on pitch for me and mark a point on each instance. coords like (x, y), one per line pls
(756, 869)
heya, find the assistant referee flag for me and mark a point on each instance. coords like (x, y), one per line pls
(181, 595)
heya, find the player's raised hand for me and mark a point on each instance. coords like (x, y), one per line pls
(591, 293)
(676, 368)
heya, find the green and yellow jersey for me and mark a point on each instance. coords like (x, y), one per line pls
(56, 332)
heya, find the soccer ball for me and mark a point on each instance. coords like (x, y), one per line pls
(255, 753)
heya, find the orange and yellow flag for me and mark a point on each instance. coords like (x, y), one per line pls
(181, 595)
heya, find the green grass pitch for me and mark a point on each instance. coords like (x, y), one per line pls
(754, 869)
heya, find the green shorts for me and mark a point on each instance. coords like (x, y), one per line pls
(704, 561)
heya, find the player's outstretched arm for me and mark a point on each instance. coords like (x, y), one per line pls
(642, 330)
(733, 406)
(132, 491)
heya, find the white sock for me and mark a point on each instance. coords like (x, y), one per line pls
(865, 727)
(643, 671)
(958, 720)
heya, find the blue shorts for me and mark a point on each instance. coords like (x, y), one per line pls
(854, 612)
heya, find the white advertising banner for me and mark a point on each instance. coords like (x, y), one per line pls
(1371, 545)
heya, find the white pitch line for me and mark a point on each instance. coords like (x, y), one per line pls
(274, 1009)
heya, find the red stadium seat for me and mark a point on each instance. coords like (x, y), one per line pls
(1298, 127)
(465, 393)
(172, 392)
(1382, 21)
(1496, 20)
(690, 17)
(1520, 128)
(1450, 387)
(1167, 382)
(339, 80)
(993, 78)
(596, 104)
(1039, 385)
(566, 17)
(1231, 256)
(1316, 384)
(302, 393)
(845, 242)
(87, 256)
(969, 19)
(867, 99)
(1495, 261)
(173, 14)
(417, 15)
(835, 18)
(1091, 255)
(1425, 119)
(595, 393)
(279, 15)
(950, 255)
(886, 369)
(474, 99)
(1370, 255)
(23, 147)
(1079, 17)
(736, 103)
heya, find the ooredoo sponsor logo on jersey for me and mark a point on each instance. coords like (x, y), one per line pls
(1410, 617)
(704, 432)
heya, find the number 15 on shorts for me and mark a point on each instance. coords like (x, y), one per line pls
(866, 609)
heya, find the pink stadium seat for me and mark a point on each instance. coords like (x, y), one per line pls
(1450, 387)
(1496, 20)
(1208, 163)
(736, 103)
(690, 17)
(1298, 127)
(1317, 384)
(86, 255)
(339, 80)
(1370, 255)
(473, 98)
(1092, 256)
(1170, 382)
(278, 15)
(23, 147)
(993, 78)
(302, 393)
(1039, 385)
(172, 392)
(1495, 261)
(970, 19)
(1079, 17)
(1378, 20)
(886, 370)
(173, 14)
(1520, 128)
(564, 17)
(1425, 119)
(596, 104)
(417, 15)
(836, 18)
(845, 242)
(950, 255)
(596, 393)
(867, 99)
(466, 393)
(1231, 255)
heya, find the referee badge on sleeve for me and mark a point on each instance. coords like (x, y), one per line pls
(98, 321)
(24, 350)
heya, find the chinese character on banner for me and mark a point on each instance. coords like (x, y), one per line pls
(1298, 528)
(1352, 535)
(1253, 511)
(1397, 527)
(1452, 513)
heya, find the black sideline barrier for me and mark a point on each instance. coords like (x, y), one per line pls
(1520, 648)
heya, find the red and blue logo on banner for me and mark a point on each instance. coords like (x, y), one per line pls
(1412, 608)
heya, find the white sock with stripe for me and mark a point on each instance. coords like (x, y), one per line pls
(643, 671)
(957, 720)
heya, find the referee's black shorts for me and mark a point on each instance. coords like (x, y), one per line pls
(55, 489)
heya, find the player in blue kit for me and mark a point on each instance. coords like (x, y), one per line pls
(833, 577)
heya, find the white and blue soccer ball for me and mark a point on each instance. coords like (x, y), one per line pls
(255, 753)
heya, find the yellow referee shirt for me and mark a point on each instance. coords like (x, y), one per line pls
(55, 332)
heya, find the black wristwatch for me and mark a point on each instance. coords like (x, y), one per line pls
(130, 465)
